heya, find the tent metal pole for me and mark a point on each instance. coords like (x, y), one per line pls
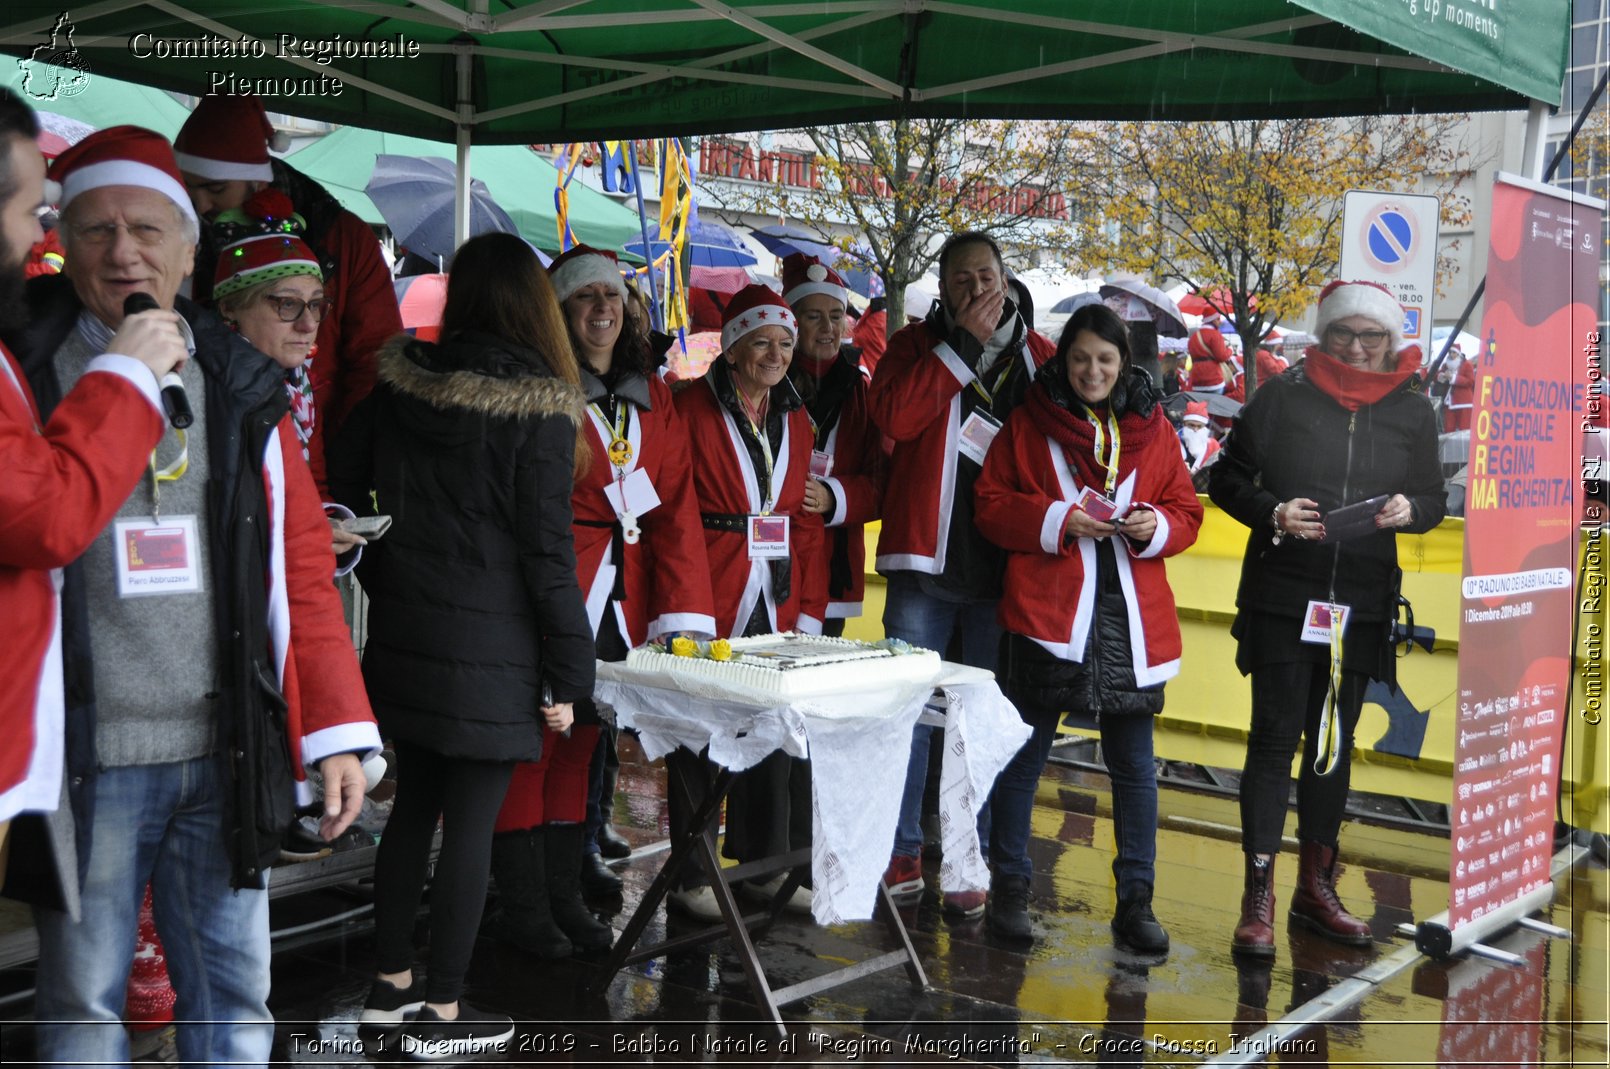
(466, 126)
(1537, 117)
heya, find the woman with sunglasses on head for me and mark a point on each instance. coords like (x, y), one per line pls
(1317, 600)
(270, 288)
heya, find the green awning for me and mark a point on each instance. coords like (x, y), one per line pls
(537, 70)
(104, 101)
(520, 180)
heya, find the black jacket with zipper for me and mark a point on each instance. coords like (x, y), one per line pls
(474, 597)
(1294, 440)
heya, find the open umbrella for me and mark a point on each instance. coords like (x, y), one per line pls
(1217, 403)
(58, 133)
(783, 239)
(708, 244)
(1070, 305)
(1156, 304)
(415, 197)
(420, 299)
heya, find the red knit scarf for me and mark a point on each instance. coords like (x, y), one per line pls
(1353, 387)
(1077, 437)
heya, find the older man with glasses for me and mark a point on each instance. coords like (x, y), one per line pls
(205, 677)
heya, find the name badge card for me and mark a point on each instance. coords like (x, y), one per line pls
(768, 537)
(821, 464)
(978, 432)
(157, 558)
(1317, 621)
(1096, 506)
(634, 494)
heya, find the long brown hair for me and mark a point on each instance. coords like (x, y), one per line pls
(498, 286)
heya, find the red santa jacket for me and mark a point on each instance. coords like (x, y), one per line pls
(860, 470)
(915, 399)
(1461, 397)
(667, 580)
(1023, 497)
(63, 483)
(725, 484)
(365, 315)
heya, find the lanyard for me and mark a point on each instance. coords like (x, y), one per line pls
(171, 473)
(759, 432)
(619, 446)
(1112, 455)
(1329, 750)
(988, 393)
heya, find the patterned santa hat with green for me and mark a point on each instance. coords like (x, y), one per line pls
(264, 245)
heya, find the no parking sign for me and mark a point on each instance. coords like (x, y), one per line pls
(1391, 238)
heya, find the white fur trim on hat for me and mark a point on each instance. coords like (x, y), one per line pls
(807, 289)
(125, 173)
(579, 271)
(1360, 299)
(762, 315)
(224, 170)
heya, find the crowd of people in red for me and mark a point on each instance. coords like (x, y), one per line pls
(183, 677)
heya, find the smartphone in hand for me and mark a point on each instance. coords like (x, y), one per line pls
(367, 527)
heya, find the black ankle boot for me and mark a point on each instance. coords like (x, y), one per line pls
(1008, 910)
(1135, 925)
(611, 843)
(564, 889)
(520, 869)
(597, 878)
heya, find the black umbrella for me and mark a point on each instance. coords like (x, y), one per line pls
(1217, 403)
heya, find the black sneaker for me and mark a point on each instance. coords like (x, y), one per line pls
(388, 1007)
(428, 1038)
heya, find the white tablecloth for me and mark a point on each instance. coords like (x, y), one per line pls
(858, 766)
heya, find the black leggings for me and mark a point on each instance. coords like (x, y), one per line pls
(1287, 701)
(466, 795)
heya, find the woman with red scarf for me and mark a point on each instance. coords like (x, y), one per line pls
(1346, 428)
(1085, 490)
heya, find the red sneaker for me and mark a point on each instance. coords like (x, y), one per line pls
(964, 905)
(903, 877)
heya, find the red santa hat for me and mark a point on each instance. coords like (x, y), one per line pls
(804, 275)
(1207, 376)
(227, 138)
(582, 265)
(273, 251)
(119, 156)
(1195, 412)
(751, 308)
(1375, 302)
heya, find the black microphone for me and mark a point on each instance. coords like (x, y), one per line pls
(174, 400)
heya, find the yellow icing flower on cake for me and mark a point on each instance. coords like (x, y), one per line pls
(683, 647)
(720, 650)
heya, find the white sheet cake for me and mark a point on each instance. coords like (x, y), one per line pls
(790, 667)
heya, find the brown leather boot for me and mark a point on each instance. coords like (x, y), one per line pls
(1255, 935)
(1315, 906)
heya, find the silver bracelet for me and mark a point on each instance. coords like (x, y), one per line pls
(1274, 518)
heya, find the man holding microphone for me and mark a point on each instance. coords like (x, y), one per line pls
(207, 663)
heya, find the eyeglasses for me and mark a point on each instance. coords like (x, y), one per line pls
(1343, 337)
(98, 234)
(290, 309)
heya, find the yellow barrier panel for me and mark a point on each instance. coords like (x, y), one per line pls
(1405, 752)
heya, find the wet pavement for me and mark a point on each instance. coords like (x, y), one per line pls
(1070, 998)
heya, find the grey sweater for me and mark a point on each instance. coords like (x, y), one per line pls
(156, 657)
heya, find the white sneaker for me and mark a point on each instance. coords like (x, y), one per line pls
(798, 902)
(697, 902)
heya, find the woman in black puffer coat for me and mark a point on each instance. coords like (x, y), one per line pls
(478, 634)
(1343, 428)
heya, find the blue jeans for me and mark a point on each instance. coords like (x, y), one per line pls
(920, 618)
(1126, 747)
(163, 824)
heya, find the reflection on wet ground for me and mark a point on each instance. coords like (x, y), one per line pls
(1073, 997)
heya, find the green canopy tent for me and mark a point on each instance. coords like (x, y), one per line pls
(104, 102)
(525, 71)
(520, 180)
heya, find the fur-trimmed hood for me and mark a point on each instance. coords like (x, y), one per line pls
(477, 373)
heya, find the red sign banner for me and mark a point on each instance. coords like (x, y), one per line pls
(1517, 596)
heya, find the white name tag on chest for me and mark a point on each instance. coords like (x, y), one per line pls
(634, 494)
(977, 433)
(157, 558)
